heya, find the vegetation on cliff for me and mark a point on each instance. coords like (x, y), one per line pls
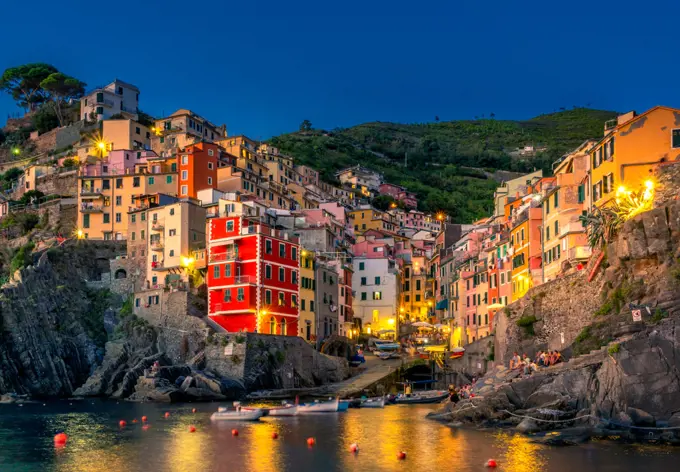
(448, 164)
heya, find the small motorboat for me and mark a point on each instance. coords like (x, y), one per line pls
(239, 414)
(343, 405)
(428, 396)
(284, 410)
(386, 346)
(320, 407)
(375, 402)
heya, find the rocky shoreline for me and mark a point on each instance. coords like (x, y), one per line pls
(629, 390)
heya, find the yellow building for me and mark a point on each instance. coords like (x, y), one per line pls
(525, 240)
(114, 135)
(182, 128)
(104, 199)
(367, 217)
(632, 146)
(307, 322)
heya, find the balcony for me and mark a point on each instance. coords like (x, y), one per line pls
(571, 227)
(105, 102)
(157, 265)
(86, 208)
(244, 279)
(580, 253)
(90, 193)
(157, 245)
(157, 225)
(611, 124)
(224, 257)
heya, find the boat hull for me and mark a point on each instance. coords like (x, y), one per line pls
(416, 399)
(284, 411)
(243, 415)
(373, 403)
(325, 407)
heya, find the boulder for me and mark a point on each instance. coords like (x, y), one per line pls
(641, 417)
(528, 426)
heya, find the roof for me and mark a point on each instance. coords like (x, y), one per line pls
(633, 120)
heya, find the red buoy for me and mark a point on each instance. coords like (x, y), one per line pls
(144, 419)
(491, 463)
(193, 410)
(275, 435)
(234, 432)
(401, 455)
(134, 420)
(354, 448)
(167, 414)
(192, 429)
(122, 423)
(60, 439)
(311, 442)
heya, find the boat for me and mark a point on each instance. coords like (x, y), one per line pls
(343, 405)
(242, 414)
(320, 407)
(386, 346)
(375, 402)
(387, 355)
(428, 396)
(284, 410)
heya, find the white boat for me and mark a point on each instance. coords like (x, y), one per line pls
(284, 410)
(387, 355)
(224, 414)
(376, 402)
(319, 407)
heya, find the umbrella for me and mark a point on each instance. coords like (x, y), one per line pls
(458, 349)
(439, 326)
(421, 324)
(495, 306)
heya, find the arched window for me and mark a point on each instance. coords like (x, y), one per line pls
(120, 274)
(272, 325)
(284, 328)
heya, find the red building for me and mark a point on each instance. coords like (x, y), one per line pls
(197, 166)
(253, 273)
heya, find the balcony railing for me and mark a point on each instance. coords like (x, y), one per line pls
(91, 208)
(571, 227)
(104, 101)
(157, 265)
(244, 279)
(580, 252)
(157, 245)
(91, 192)
(157, 225)
(224, 257)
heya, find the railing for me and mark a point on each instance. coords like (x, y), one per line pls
(244, 279)
(84, 208)
(572, 227)
(223, 257)
(611, 124)
(104, 101)
(90, 192)
(158, 265)
(157, 245)
(157, 225)
(580, 252)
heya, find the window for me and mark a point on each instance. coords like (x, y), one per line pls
(168, 179)
(185, 175)
(119, 217)
(417, 297)
(377, 295)
(100, 110)
(119, 183)
(363, 281)
(363, 295)
(547, 233)
(293, 253)
(210, 153)
(556, 200)
(141, 234)
(282, 274)
(172, 232)
(377, 281)
(502, 278)
(240, 294)
(268, 271)
(597, 191)
(293, 277)
(302, 304)
(608, 183)
(137, 302)
(282, 299)
(417, 284)
(133, 237)
(216, 272)
(227, 295)
(268, 246)
(676, 138)
(362, 265)
(137, 130)
(282, 250)
(184, 190)
(135, 181)
(581, 193)
(152, 180)
(311, 306)
(210, 164)
(106, 184)
(185, 160)
(227, 270)
(267, 297)
(107, 218)
(230, 226)
(293, 301)
(557, 228)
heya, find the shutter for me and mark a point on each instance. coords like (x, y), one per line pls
(581, 193)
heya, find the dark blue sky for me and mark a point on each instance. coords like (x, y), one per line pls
(262, 67)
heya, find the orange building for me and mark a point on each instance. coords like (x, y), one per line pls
(197, 166)
(630, 149)
(525, 239)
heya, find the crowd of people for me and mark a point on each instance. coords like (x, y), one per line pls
(462, 393)
(529, 366)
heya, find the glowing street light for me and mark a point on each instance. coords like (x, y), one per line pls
(187, 261)
(16, 151)
(440, 216)
(390, 321)
(80, 234)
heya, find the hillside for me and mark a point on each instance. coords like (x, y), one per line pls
(437, 153)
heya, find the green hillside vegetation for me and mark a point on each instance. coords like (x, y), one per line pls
(440, 155)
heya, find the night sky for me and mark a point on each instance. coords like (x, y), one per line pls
(261, 67)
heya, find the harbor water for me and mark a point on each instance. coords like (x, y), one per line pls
(97, 443)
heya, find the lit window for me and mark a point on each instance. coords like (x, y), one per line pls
(377, 295)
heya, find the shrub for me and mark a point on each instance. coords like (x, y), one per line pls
(239, 339)
(69, 162)
(23, 257)
(613, 349)
(34, 195)
(525, 321)
(583, 335)
(659, 315)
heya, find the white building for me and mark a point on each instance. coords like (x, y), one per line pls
(375, 283)
(360, 176)
(104, 102)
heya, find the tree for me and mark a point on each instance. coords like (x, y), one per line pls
(31, 195)
(45, 119)
(69, 162)
(62, 88)
(306, 125)
(23, 83)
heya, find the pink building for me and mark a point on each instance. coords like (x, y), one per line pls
(119, 162)
(408, 198)
(391, 190)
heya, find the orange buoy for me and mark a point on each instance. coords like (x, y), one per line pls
(145, 427)
(134, 420)
(401, 455)
(275, 435)
(60, 439)
(192, 429)
(122, 423)
(144, 419)
(354, 448)
(234, 432)
(311, 442)
(491, 463)
(193, 410)
(167, 414)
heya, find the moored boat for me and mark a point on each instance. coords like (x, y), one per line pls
(429, 396)
(376, 402)
(320, 407)
(242, 414)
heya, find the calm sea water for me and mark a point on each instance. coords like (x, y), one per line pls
(97, 443)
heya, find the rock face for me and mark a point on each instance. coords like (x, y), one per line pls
(639, 385)
(47, 347)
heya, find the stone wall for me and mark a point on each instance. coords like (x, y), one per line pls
(64, 184)
(667, 178)
(476, 361)
(57, 138)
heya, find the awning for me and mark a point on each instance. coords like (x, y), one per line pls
(442, 304)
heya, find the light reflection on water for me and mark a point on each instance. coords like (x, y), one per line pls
(96, 443)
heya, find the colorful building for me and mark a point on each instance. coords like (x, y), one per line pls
(307, 320)
(197, 164)
(252, 276)
(367, 218)
(525, 240)
(116, 98)
(181, 129)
